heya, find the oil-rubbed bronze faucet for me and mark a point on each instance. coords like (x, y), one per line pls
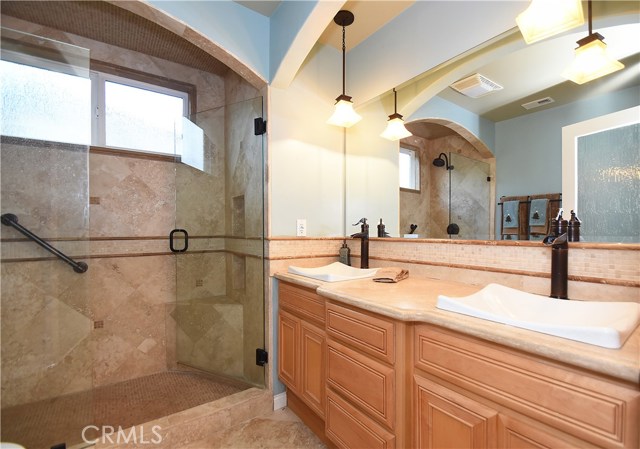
(363, 235)
(559, 265)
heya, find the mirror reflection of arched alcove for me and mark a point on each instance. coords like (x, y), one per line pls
(461, 193)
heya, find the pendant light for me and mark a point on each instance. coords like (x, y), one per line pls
(546, 18)
(591, 59)
(395, 125)
(344, 115)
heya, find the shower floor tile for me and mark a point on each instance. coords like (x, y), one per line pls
(61, 419)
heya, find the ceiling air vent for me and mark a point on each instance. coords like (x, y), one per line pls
(537, 103)
(475, 86)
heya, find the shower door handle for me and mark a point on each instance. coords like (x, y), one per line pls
(186, 241)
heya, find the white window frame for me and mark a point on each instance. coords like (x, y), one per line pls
(98, 80)
(414, 168)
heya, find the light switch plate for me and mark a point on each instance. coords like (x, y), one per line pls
(301, 227)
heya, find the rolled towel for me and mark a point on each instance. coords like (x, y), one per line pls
(391, 274)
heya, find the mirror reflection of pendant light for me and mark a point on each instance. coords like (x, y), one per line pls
(395, 125)
(344, 115)
(591, 59)
(545, 18)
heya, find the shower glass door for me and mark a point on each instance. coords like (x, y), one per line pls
(470, 197)
(46, 313)
(219, 310)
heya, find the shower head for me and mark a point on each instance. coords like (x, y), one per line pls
(440, 162)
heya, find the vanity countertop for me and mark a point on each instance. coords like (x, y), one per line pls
(414, 299)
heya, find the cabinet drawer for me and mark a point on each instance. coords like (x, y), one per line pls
(585, 406)
(370, 334)
(349, 428)
(367, 383)
(302, 301)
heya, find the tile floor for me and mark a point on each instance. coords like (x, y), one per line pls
(39, 425)
(280, 429)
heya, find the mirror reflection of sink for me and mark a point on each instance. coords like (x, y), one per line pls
(334, 272)
(606, 324)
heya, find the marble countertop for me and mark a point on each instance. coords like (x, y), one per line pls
(414, 299)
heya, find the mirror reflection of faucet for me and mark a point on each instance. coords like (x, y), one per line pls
(363, 235)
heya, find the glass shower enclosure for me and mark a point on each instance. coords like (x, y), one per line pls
(63, 365)
(47, 349)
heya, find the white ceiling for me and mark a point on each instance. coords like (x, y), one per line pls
(369, 17)
(527, 74)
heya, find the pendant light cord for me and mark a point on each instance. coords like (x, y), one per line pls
(344, 59)
(395, 101)
(589, 14)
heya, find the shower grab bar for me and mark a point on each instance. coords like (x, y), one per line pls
(12, 220)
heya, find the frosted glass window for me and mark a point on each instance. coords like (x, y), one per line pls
(608, 168)
(45, 104)
(140, 119)
(409, 166)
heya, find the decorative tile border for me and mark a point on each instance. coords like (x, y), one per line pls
(602, 264)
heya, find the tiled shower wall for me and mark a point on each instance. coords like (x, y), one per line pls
(429, 208)
(64, 332)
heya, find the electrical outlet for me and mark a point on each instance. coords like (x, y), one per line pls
(301, 227)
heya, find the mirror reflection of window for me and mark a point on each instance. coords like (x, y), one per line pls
(409, 166)
(601, 176)
(608, 170)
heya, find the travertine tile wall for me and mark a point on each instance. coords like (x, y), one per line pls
(429, 208)
(596, 272)
(118, 321)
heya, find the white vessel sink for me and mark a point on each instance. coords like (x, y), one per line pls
(334, 272)
(606, 324)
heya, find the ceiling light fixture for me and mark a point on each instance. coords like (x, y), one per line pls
(544, 18)
(591, 60)
(344, 115)
(395, 125)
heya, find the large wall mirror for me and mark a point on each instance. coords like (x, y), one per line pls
(472, 152)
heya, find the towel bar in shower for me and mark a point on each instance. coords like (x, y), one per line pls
(12, 220)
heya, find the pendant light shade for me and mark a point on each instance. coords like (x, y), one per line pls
(591, 58)
(545, 18)
(344, 115)
(395, 125)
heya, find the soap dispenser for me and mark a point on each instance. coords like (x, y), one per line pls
(345, 254)
(574, 228)
(381, 231)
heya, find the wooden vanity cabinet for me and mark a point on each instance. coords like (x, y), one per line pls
(367, 379)
(469, 393)
(302, 346)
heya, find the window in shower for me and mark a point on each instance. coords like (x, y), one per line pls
(409, 166)
(128, 113)
(53, 97)
(137, 116)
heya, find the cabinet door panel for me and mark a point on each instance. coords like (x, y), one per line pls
(445, 419)
(312, 384)
(289, 350)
